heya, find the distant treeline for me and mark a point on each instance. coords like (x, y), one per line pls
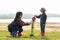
(11, 16)
(25, 16)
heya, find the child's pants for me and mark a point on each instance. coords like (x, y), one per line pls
(13, 30)
(14, 33)
(42, 29)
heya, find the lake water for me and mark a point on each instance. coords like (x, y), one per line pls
(49, 19)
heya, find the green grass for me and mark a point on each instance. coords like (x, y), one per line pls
(4, 35)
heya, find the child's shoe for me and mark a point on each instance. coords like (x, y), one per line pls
(19, 34)
(42, 33)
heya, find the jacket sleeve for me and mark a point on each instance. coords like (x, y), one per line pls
(38, 16)
(21, 23)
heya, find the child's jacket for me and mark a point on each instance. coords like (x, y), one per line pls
(43, 18)
(17, 24)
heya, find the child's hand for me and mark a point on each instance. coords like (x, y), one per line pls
(28, 23)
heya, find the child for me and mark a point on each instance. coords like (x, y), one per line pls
(43, 18)
(16, 25)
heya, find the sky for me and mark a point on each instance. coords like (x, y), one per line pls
(29, 6)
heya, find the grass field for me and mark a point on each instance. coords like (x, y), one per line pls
(4, 35)
(52, 32)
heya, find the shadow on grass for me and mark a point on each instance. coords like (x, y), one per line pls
(31, 37)
(44, 38)
(37, 38)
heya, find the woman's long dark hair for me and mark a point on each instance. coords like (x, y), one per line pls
(17, 16)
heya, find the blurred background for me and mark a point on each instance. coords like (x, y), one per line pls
(8, 9)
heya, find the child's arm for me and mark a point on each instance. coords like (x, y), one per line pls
(38, 16)
(21, 23)
(25, 24)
